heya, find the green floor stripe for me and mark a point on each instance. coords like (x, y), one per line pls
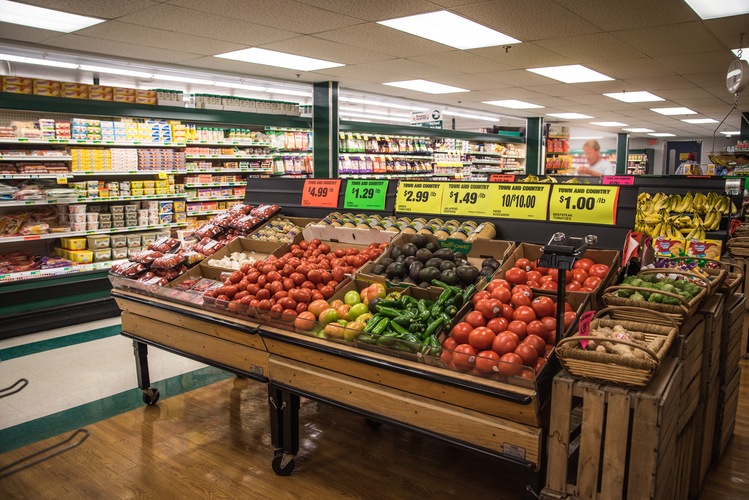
(43, 428)
(57, 343)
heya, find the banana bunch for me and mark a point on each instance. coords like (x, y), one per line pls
(712, 219)
(653, 216)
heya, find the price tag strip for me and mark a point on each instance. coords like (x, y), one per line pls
(321, 193)
(466, 199)
(365, 195)
(419, 197)
(584, 204)
(519, 201)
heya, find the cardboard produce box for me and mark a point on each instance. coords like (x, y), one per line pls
(258, 250)
(300, 222)
(533, 252)
(347, 234)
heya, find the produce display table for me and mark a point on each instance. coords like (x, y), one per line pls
(500, 420)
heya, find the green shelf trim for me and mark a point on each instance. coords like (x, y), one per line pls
(55, 280)
(58, 301)
(384, 129)
(106, 108)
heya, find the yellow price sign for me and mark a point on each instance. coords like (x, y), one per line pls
(419, 197)
(162, 175)
(466, 198)
(584, 204)
(62, 180)
(519, 201)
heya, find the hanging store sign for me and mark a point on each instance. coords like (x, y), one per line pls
(427, 119)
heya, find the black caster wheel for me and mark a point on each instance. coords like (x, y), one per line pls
(285, 471)
(152, 398)
(277, 453)
(372, 424)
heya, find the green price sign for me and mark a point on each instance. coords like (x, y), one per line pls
(365, 195)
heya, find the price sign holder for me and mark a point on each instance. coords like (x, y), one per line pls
(585, 204)
(365, 194)
(466, 198)
(419, 197)
(321, 193)
(519, 201)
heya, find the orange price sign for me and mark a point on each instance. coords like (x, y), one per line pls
(321, 193)
(502, 178)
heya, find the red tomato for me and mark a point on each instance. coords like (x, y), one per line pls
(317, 307)
(528, 374)
(264, 305)
(546, 279)
(263, 294)
(340, 252)
(524, 289)
(586, 290)
(486, 361)
(475, 319)
(524, 264)
(537, 342)
(528, 353)
(492, 309)
(519, 328)
(482, 295)
(568, 307)
(599, 270)
(236, 276)
(504, 343)
(288, 315)
(502, 294)
(554, 273)
(461, 332)
(464, 357)
(481, 338)
(450, 343)
(535, 276)
(326, 248)
(509, 365)
(548, 350)
(524, 313)
(327, 292)
(315, 276)
(542, 270)
(592, 282)
(507, 311)
(497, 325)
(479, 306)
(519, 299)
(305, 321)
(543, 306)
(287, 303)
(501, 282)
(579, 275)
(540, 362)
(573, 286)
(300, 307)
(514, 336)
(288, 284)
(549, 285)
(538, 329)
(302, 295)
(583, 264)
(516, 276)
(569, 318)
(493, 284)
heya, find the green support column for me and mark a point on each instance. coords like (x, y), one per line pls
(534, 160)
(622, 153)
(325, 126)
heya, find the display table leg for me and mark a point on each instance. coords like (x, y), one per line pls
(284, 429)
(150, 395)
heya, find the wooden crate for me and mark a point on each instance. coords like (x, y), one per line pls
(726, 417)
(730, 353)
(704, 420)
(713, 313)
(684, 459)
(689, 350)
(635, 429)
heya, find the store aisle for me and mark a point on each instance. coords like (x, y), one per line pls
(79, 375)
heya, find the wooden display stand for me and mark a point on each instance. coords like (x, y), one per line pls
(637, 431)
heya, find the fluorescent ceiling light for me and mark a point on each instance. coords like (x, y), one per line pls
(638, 130)
(711, 9)
(609, 124)
(744, 55)
(701, 120)
(182, 79)
(513, 104)
(266, 57)
(641, 96)
(573, 73)
(426, 86)
(662, 134)
(731, 132)
(674, 111)
(40, 62)
(569, 116)
(289, 92)
(47, 19)
(449, 29)
(116, 71)
(239, 86)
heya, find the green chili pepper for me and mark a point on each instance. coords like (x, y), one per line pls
(381, 326)
(451, 311)
(468, 293)
(434, 327)
(372, 322)
(399, 329)
(388, 311)
(367, 339)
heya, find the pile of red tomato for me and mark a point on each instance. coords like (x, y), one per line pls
(507, 325)
(584, 277)
(310, 271)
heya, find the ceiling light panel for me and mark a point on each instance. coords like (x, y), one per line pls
(40, 62)
(662, 134)
(674, 111)
(116, 71)
(573, 73)
(711, 9)
(697, 121)
(513, 104)
(266, 57)
(47, 19)
(426, 86)
(635, 97)
(569, 116)
(450, 29)
(731, 132)
(638, 130)
(609, 124)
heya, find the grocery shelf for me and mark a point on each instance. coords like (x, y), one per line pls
(291, 153)
(52, 236)
(36, 176)
(229, 157)
(34, 158)
(64, 201)
(215, 184)
(205, 212)
(492, 153)
(382, 176)
(84, 142)
(21, 203)
(227, 143)
(216, 198)
(44, 273)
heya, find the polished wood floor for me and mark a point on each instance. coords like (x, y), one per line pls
(214, 443)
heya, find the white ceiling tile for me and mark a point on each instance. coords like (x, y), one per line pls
(709, 79)
(549, 102)
(616, 15)
(385, 39)
(519, 77)
(10, 31)
(619, 107)
(465, 62)
(362, 73)
(673, 39)
(325, 49)
(520, 93)
(524, 55)
(209, 25)
(560, 90)
(630, 68)
(609, 87)
(471, 82)
(593, 100)
(686, 93)
(661, 82)
(119, 49)
(94, 8)
(527, 20)
(156, 38)
(411, 69)
(588, 48)
(728, 29)
(248, 70)
(282, 14)
(701, 62)
(699, 104)
(374, 11)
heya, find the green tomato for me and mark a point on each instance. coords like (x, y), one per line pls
(342, 322)
(357, 310)
(352, 298)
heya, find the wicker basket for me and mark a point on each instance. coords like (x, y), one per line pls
(738, 246)
(718, 275)
(633, 309)
(608, 368)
